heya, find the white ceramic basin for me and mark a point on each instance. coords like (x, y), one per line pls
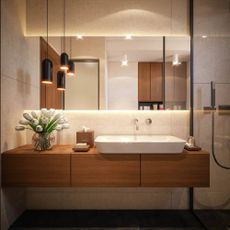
(139, 144)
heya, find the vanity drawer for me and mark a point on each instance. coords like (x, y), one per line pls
(36, 170)
(190, 169)
(113, 170)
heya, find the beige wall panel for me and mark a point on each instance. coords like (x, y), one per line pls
(103, 17)
(20, 71)
(180, 17)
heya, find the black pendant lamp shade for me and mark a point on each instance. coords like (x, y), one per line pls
(64, 61)
(61, 80)
(70, 71)
(47, 70)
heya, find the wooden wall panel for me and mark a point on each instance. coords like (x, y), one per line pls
(50, 97)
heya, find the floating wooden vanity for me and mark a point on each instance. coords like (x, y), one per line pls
(61, 167)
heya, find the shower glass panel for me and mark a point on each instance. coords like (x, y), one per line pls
(212, 127)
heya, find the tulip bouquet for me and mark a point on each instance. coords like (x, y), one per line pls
(43, 123)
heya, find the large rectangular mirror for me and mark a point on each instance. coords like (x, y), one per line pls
(116, 73)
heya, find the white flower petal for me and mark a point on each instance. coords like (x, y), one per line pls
(24, 122)
(34, 114)
(39, 128)
(52, 112)
(66, 126)
(19, 128)
(59, 127)
(35, 122)
(27, 116)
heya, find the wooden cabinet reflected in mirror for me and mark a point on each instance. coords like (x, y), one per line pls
(150, 91)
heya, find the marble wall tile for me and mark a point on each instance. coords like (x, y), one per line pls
(211, 17)
(19, 90)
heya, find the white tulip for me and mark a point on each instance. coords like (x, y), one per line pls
(39, 128)
(34, 114)
(24, 122)
(35, 122)
(57, 116)
(61, 121)
(48, 114)
(43, 110)
(19, 128)
(66, 126)
(44, 120)
(59, 127)
(65, 119)
(27, 117)
(52, 112)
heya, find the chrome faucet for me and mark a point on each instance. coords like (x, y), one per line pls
(136, 124)
(148, 121)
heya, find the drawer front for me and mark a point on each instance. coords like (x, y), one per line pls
(185, 170)
(111, 170)
(36, 170)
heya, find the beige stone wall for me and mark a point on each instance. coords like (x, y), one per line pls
(109, 17)
(19, 91)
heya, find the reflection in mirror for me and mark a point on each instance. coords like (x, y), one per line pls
(83, 89)
(134, 72)
(177, 64)
(130, 72)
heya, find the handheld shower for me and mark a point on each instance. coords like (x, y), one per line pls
(213, 108)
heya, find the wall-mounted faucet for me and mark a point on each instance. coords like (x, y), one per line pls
(213, 97)
(148, 121)
(136, 124)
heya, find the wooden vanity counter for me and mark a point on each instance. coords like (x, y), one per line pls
(61, 167)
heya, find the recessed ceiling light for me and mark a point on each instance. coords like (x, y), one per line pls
(204, 36)
(128, 37)
(79, 37)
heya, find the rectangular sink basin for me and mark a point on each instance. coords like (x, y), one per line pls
(132, 144)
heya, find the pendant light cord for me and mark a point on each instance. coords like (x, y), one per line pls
(70, 44)
(47, 26)
(64, 5)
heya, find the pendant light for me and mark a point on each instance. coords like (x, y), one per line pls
(61, 80)
(124, 61)
(175, 61)
(47, 65)
(71, 70)
(64, 56)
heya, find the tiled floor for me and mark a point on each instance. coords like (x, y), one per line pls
(121, 220)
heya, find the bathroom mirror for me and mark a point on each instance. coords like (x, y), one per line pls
(145, 73)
